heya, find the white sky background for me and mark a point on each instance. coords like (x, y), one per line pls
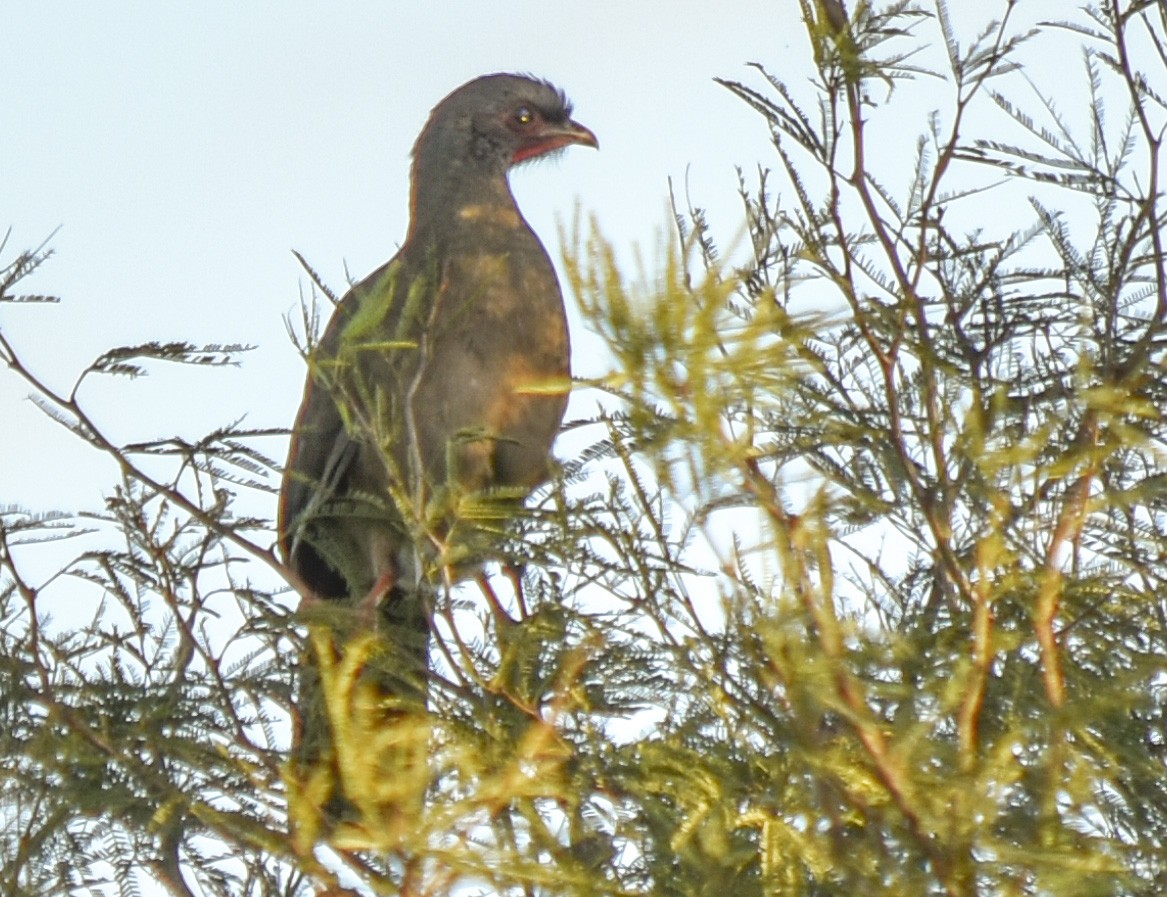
(185, 149)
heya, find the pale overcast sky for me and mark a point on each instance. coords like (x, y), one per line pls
(185, 149)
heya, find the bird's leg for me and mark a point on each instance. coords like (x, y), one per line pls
(381, 588)
(383, 561)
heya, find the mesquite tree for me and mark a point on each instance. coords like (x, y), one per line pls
(852, 584)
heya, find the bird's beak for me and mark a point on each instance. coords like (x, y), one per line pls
(574, 132)
(554, 137)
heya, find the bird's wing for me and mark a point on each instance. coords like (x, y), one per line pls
(320, 449)
(322, 453)
(318, 458)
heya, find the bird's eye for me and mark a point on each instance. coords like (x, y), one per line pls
(524, 116)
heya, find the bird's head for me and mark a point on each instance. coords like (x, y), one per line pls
(494, 122)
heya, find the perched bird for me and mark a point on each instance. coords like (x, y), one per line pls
(444, 373)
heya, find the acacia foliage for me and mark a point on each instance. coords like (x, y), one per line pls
(858, 587)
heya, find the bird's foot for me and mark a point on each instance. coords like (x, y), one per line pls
(368, 606)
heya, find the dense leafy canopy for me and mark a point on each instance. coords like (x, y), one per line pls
(854, 585)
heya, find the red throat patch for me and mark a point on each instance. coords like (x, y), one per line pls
(539, 147)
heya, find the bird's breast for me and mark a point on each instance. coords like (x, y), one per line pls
(491, 214)
(496, 362)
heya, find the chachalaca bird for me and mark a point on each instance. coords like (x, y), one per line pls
(442, 375)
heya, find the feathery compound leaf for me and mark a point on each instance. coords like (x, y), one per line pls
(117, 361)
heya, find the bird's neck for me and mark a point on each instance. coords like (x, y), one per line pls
(444, 202)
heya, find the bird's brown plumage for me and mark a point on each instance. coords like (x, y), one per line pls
(444, 371)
